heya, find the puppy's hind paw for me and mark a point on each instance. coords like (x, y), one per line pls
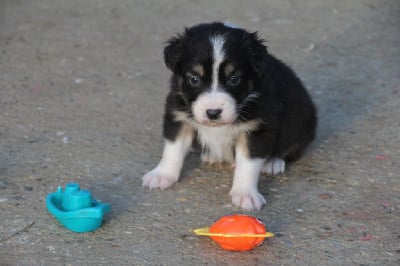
(274, 166)
(248, 200)
(157, 178)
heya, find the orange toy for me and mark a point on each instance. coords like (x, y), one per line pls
(236, 232)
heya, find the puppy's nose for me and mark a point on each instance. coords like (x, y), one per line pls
(213, 114)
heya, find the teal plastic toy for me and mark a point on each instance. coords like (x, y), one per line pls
(76, 209)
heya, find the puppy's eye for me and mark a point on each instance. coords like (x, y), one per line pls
(233, 81)
(193, 81)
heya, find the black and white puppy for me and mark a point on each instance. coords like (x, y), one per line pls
(240, 103)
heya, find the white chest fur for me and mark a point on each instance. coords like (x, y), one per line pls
(217, 142)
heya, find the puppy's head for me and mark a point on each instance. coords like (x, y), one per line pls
(215, 66)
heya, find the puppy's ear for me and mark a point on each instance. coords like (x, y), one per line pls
(173, 52)
(257, 52)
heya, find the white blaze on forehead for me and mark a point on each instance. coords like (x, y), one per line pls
(217, 43)
(215, 98)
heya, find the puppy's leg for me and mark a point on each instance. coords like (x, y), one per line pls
(274, 166)
(167, 172)
(244, 190)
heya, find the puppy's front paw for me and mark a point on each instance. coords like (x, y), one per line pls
(248, 200)
(157, 178)
(274, 166)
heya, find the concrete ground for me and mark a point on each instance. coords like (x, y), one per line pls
(82, 86)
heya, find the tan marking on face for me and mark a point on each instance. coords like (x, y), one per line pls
(229, 70)
(180, 116)
(199, 70)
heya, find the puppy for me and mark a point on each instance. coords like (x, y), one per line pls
(240, 103)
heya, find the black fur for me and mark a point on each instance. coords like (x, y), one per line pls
(286, 110)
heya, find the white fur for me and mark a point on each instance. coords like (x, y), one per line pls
(214, 100)
(217, 143)
(244, 190)
(167, 172)
(274, 166)
(217, 43)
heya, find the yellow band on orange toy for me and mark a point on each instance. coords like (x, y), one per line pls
(205, 232)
